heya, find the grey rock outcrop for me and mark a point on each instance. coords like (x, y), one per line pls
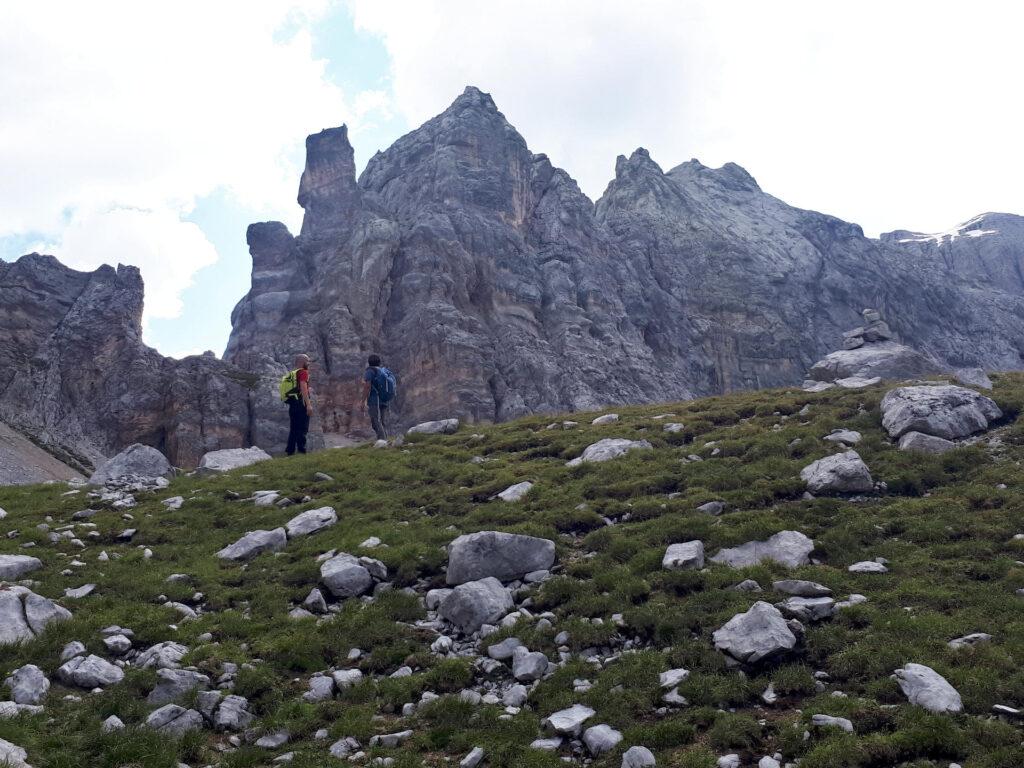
(684, 556)
(226, 459)
(505, 556)
(311, 521)
(97, 387)
(945, 411)
(136, 459)
(922, 443)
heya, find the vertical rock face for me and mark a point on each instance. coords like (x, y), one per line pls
(495, 288)
(77, 378)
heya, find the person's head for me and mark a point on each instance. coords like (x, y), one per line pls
(374, 361)
(302, 361)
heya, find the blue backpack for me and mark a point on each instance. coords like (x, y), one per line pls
(385, 384)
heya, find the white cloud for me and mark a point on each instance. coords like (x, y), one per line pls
(889, 114)
(116, 116)
(170, 250)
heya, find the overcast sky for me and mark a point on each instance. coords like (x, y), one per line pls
(151, 134)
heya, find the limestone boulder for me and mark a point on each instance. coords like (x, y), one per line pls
(505, 556)
(942, 410)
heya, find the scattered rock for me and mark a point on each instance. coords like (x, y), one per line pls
(345, 576)
(609, 448)
(844, 436)
(868, 566)
(135, 460)
(967, 641)
(165, 655)
(516, 492)
(442, 427)
(638, 757)
(231, 458)
(760, 633)
(922, 443)
(174, 720)
(840, 473)
(568, 722)
(945, 411)
(601, 738)
(28, 685)
(13, 567)
(174, 684)
(504, 556)
(827, 721)
(801, 588)
(311, 521)
(926, 688)
(89, 672)
(789, 548)
(475, 603)
(254, 543)
(688, 555)
(608, 418)
(712, 508)
(527, 666)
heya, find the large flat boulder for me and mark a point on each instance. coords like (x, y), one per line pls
(227, 459)
(842, 472)
(475, 603)
(440, 427)
(758, 634)
(789, 548)
(89, 672)
(137, 459)
(884, 359)
(926, 688)
(942, 410)
(311, 521)
(254, 543)
(13, 567)
(24, 614)
(505, 556)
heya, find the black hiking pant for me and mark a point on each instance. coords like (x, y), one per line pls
(378, 418)
(298, 426)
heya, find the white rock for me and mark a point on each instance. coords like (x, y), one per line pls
(311, 521)
(840, 473)
(789, 548)
(673, 677)
(89, 672)
(28, 685)
(638, 757)
(759, 633)
(111, 724)
(601, 738)
(473, 759)
(475, 603)
(845, 436)
(442, 427)
(231, 458)
(568, 722)
(609, 448)
(13, 756)
(527, 666)
(945, 411)
(926, 688)
(688, 555)
(516, 492)
(867, 566)
(13, 567)
(254, 543)
(968, 641)
(608, 418)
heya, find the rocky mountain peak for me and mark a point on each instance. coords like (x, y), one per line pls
(730, 176)
(328, 189)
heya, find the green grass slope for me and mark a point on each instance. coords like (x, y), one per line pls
(946, 525)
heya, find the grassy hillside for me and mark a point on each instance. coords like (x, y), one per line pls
(946, 525)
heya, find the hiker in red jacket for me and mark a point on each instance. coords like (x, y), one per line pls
(300, 407)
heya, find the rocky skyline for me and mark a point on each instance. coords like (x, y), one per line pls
(496, 288)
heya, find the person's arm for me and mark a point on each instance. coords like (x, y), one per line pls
(304, 389)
